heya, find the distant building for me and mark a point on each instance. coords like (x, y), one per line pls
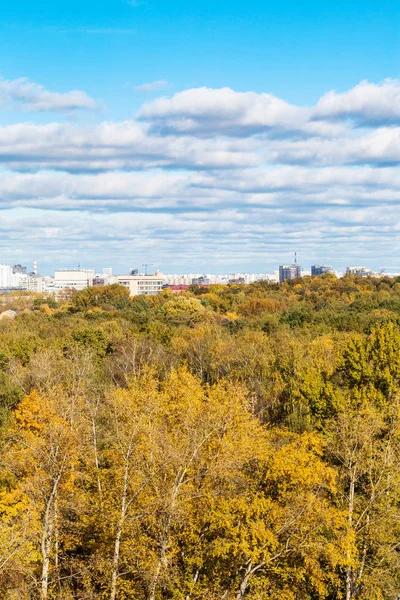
(146, 285)
(202, 280)
(19, 269)
(78, 279)
(360, 271)
(98, 280)
(36, 283)
(289, 272)
(180, 279)
(104, 278)
(320, 269)
(19, 281)
(5, 276)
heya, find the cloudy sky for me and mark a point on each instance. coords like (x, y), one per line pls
(199, 136)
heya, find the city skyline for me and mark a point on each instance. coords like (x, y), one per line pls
(313, 269)
(202, 137)
(153, 281)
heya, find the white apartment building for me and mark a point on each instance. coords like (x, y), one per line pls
(5, 276)
(187, 278)
(180, 279)
(78, 279)
(360, 271)
(146, 285)
(36, 283)
(19, 281)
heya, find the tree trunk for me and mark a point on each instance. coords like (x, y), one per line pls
(161, 563)
(349, 571)
(244, 583)
(194, 581)
(96, 457)
(47, 535)
(117, 542)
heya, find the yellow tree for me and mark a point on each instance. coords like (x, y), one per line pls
(202, 433)
(123, 476)
(276, 534)
(365, 446)
(206, 503)
(19, 525)
(41, 459)
(164, 450)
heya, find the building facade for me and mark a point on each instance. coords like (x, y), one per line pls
(202, 280)
(146, 285)
(289, 272)
(36, 283)
(320, 269)
(360, 271)
(5, 276)
(78, 279)
(19, 269)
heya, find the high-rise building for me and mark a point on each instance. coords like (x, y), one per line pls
(5, 276)
(360, 271)
(19, 269)
(320, 269)
(202, 280)
(289, 272)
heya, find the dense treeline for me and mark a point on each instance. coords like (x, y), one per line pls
(226, 443)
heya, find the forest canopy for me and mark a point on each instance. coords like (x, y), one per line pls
(230, 442)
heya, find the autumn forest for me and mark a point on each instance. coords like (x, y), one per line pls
(231, 442)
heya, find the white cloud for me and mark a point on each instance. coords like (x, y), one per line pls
(208, 177)
(368, 103)
(204, 110)
(380, 146)
(120, 145)
(32, 97)
(153, 86)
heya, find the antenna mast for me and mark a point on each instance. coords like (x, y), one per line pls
(145, 265)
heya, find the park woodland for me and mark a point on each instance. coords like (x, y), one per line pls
(225, 443)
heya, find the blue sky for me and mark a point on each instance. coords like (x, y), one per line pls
(297, 50)
(244, 160)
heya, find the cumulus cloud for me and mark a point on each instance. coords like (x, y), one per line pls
(208, 176)
(27, 95)
(297, 188)
(368, 103)
(379, 146)
(123, 145)
(204, 110)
